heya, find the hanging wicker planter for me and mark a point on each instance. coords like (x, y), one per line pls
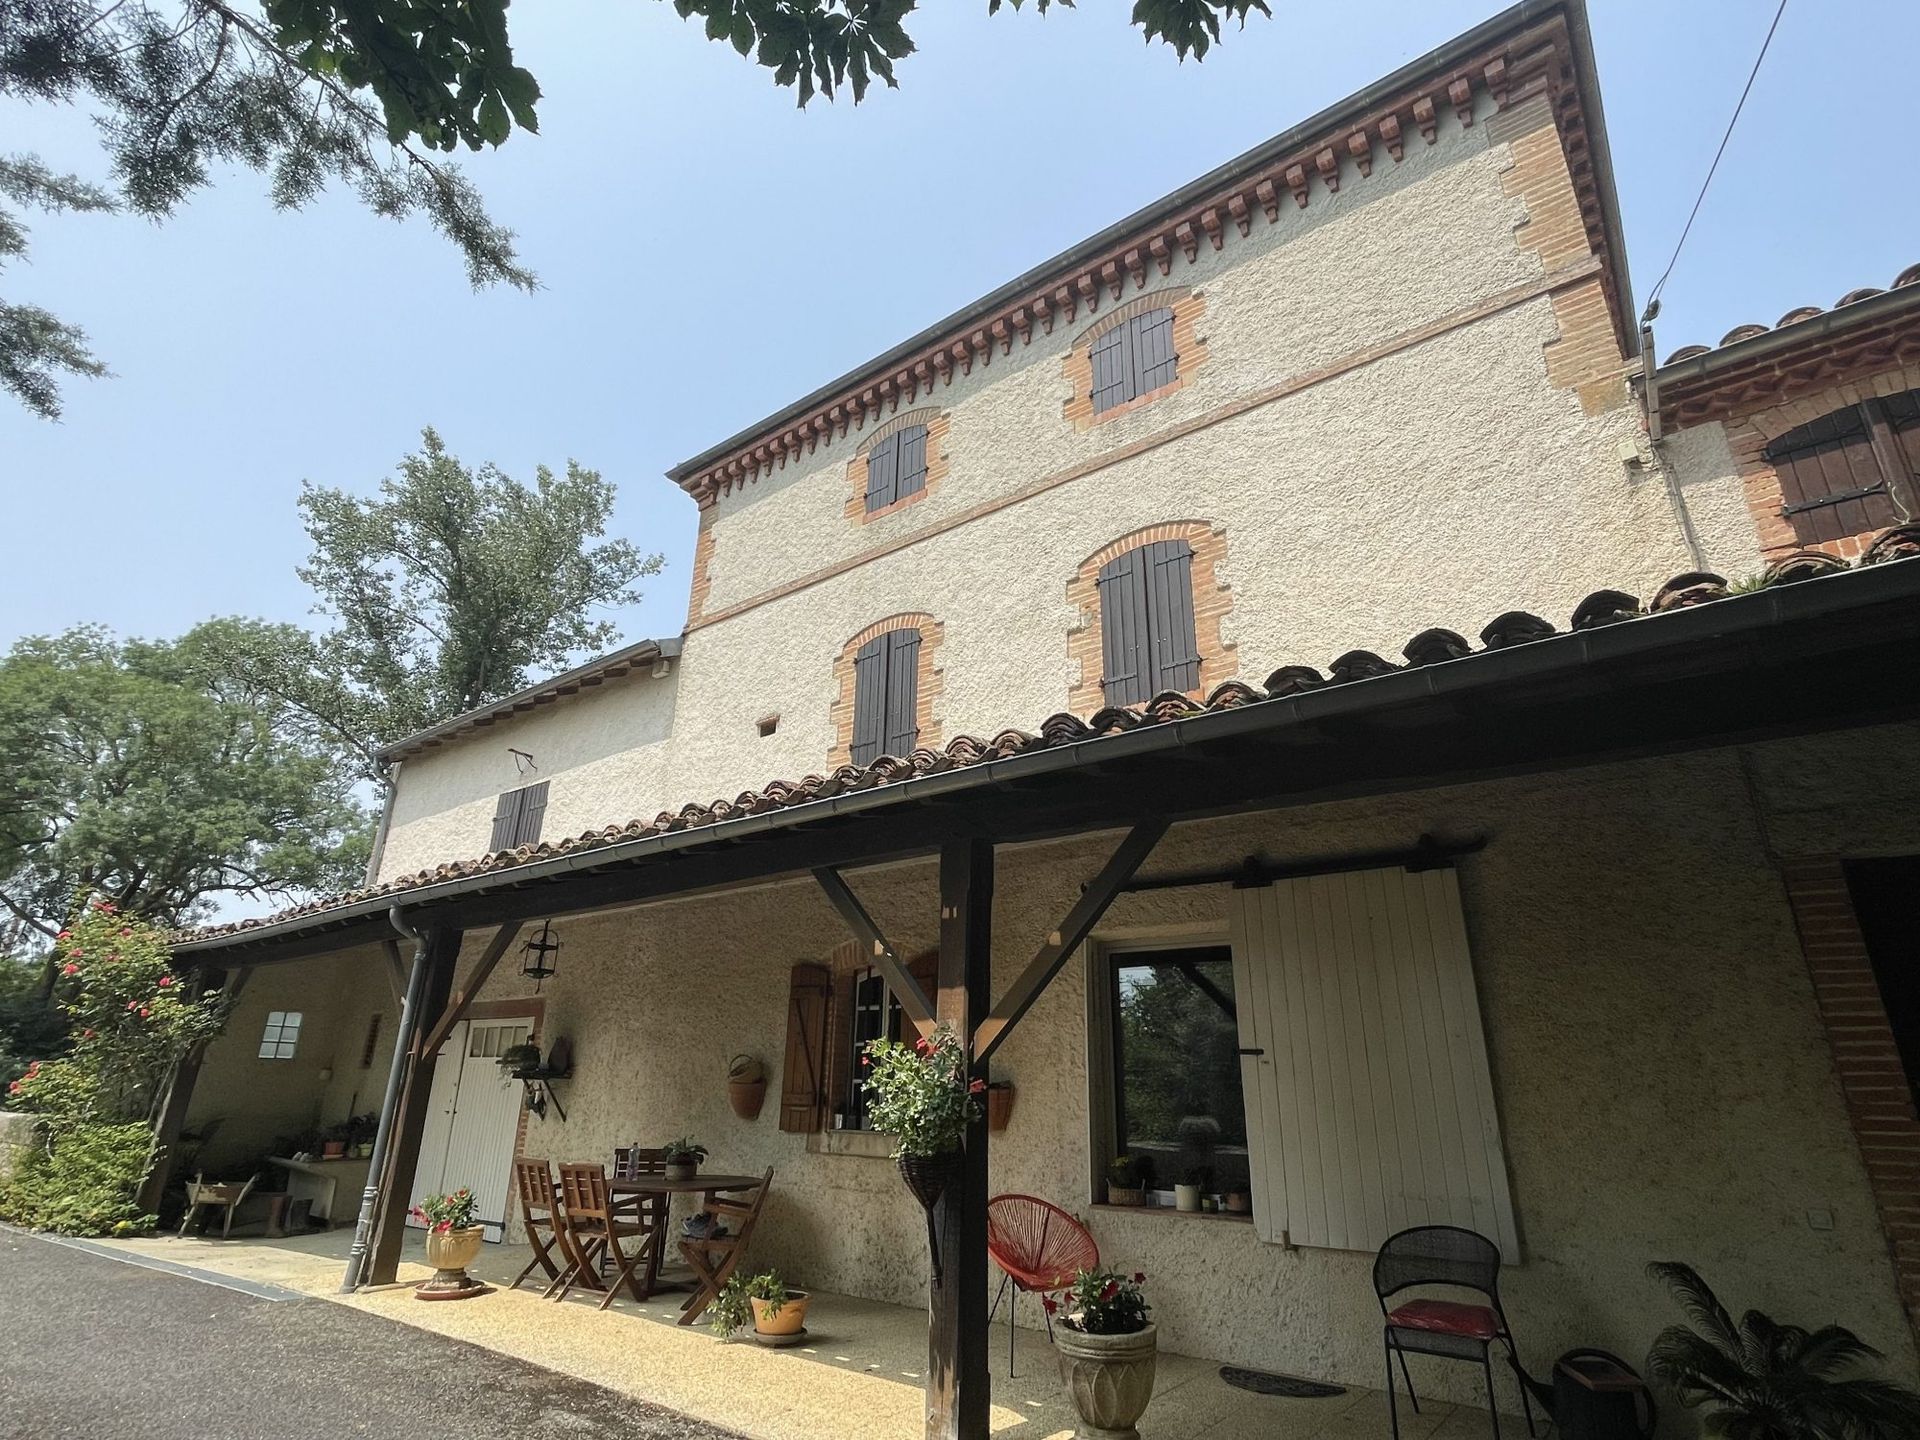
(928, 1178)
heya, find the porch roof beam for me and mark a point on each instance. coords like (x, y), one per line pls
(463, 997)
(1052, 956)
(914, 1002)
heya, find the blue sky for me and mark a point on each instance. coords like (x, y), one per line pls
(708, 253)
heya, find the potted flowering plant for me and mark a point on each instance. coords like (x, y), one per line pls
(779, 1315)
(921, 1095)
(683, 1157)
(453, 1240)
(1106, 1347)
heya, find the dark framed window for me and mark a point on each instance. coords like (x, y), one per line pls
(886, 696)
(896, 467)
(1173, 1092)
(1134, 358)
(875, 1015)
(1147, 637)
(518, 817)
(1850, 472)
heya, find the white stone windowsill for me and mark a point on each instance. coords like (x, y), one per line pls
(868, 1143)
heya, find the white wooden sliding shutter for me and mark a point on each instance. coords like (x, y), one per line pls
(1371, 1107)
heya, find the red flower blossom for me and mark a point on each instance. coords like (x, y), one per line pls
(1139, 1277)
(14, 1088)
(1109, 1292)
(126, 930)
(133, 1004)
(76, 951)
(165, 980)
(69, 969)
(145, 1012)
(86, 1034)
(923, 1046)
(976, 1087)
(1052, 1305)
(106, 907)
(64, 935)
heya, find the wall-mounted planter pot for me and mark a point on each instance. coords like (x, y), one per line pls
(999, 1105)
(746, 1097)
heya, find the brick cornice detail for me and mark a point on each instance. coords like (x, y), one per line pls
(1866, 1058)
(935, 420)
(1537, 60)
(1823, 362)
(1189, 350)
(1212, 602)
(928, 683)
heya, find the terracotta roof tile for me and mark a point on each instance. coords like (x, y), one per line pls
(1908, 276)
(1516, 627)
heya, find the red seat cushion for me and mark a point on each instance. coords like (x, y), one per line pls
(1448, 1317)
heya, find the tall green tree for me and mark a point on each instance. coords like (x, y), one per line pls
(449, 588)
(366, 93)
(137, 772)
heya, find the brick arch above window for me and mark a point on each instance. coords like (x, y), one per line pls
(914, 445)
(927, 677)
(1211, 598)
(1138, 370)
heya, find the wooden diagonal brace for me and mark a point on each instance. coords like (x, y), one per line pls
(1052, 956)
(914, 1003)
(396, 969)
(463, 997)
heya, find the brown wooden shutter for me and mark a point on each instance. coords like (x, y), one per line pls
(1176, 656)
(1112, 357)
(911, 464)
(1832, 484)
(903, 691)
(883, 472)
(533, 813)
(1124, 629)
(506, 816)
(803, 1082)
(1154, 363)
(869, 700)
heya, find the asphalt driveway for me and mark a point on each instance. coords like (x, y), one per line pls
(96, 1348)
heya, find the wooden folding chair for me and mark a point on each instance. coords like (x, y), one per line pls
(595, 1230)
(630, 1162)
(539, 1210)
(713, 1257)
(221, 1195)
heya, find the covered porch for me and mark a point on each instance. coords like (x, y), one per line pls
(1617, 808)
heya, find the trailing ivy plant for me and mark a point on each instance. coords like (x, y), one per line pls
(920, 1094)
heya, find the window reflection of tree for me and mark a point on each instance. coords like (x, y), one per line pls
(1177, 1056)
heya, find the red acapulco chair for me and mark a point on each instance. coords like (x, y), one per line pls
(1039, 1248)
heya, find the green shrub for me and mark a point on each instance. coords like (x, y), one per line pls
(80, 1181)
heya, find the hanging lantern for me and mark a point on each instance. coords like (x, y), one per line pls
(539, 954)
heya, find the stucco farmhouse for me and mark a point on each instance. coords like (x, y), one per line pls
(1294, 621)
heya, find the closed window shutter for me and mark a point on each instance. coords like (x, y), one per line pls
(1154, 363)
(1176, 656)
(506, 816)
(911, 461)
(883, 472)
(533, 811)
(1112, 368)
(1369, 1097)
(1832, 482)
(1124, 629)
(803, 1079)
(903, 685)
(869, 700)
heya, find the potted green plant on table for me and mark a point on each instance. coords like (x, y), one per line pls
(746, 1086)
(334, 1141)
(778, 1315)
(453, 1240)
(1107, 1348)
(1767, 1381)
(921, 1095)
(683, 1157)
(1128, 1177)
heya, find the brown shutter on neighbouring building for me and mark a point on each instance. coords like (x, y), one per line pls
(1850, 472)
(1146, 623)
(1154, 363)
(1176, 656)
(912, 463)
(903, 691)
(883, 472)
(886, 695)
(1112, 357)
(1123, 629)
(803, 1083)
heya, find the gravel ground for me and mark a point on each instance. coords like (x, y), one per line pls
(92, 1347)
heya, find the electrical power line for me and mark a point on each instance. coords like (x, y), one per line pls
(1653, 298)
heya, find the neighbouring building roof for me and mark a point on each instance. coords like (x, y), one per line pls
(1755, 366)
(1430, 648)
(1537, 47)
(585, 677)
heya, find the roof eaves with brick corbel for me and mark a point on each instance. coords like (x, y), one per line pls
(1540, 47)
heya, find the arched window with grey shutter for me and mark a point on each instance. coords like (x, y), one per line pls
(1134, 358)
(896, 467)
(886, 693)
(1147, 636)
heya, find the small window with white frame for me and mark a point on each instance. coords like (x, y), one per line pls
(281, 1038)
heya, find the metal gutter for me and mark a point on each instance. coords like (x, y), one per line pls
(1875, 308)
(1737, 617)
(1440, 58)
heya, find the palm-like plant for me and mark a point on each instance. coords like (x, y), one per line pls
(1768, 1381)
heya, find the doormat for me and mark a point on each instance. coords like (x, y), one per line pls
(1261, 1383)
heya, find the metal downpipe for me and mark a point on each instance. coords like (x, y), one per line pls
(396, 1078)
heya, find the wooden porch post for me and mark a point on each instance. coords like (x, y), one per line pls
(958, 1388)
(403, 1148)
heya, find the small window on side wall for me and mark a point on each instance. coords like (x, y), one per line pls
(518, 817)
(896, 467)
(886, 693)
(1851, 472)
(1147, 635)
(281, 1038)
(1134, 358)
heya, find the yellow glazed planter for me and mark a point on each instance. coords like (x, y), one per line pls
(1109, 1378)
(791, 1319)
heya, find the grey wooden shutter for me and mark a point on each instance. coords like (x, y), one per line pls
(910, 465)
(533, 811)
(1124, 629)
(1154, 363)
(1112, 356)
(1175, 652)
(870, 700)
(883, 472)
(903, 686)
(506, 815)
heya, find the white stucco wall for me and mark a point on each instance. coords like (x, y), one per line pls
(1664, 1087)
(1708, 478)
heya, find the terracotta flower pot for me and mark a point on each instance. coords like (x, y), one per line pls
(333, 1149)
(791, 1320)
(1109, 1378)
(450, 1252)
(746, 1097)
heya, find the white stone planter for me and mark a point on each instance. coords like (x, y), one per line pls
(1109, 1378)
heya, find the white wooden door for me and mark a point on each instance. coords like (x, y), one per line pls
(473, 1114)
